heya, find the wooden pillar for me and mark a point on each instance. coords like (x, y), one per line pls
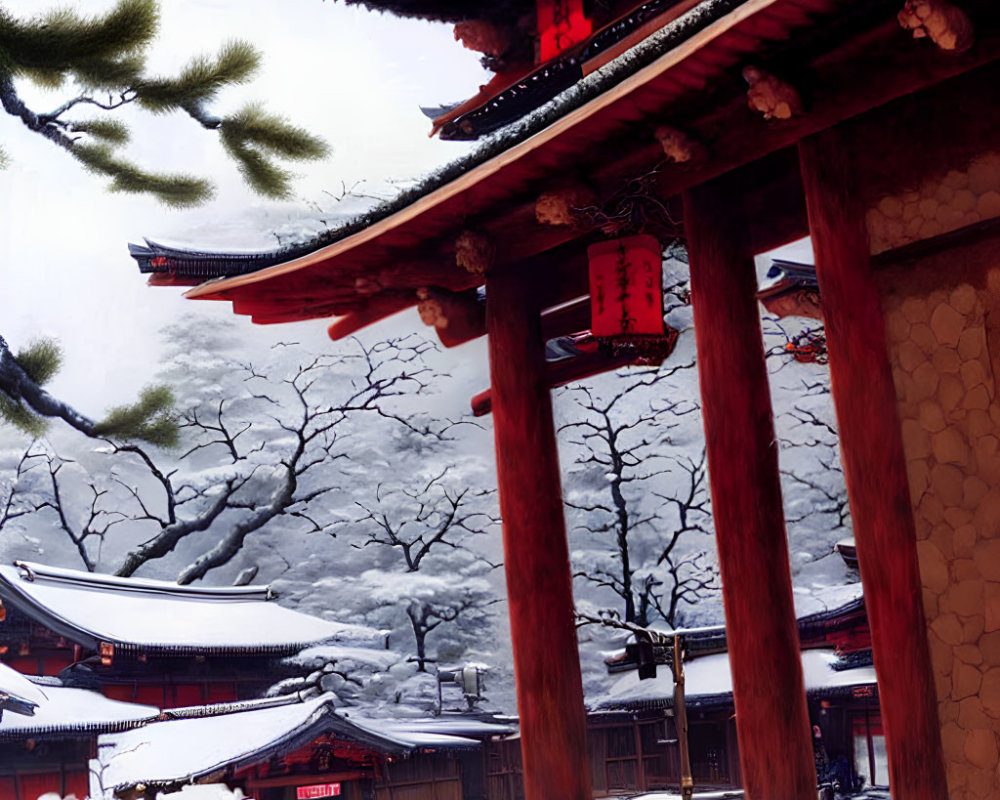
(772, 722)
(536, 557)
(871, 448)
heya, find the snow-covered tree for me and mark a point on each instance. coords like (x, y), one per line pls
(636, 496)
(420, 533)
(262, 445)
(817, 512)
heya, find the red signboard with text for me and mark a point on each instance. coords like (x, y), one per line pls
(317, 790)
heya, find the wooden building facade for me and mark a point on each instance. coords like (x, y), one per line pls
(104, 654)
(869, 127)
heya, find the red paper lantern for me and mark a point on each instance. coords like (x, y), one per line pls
(561, 24)
(626, 295)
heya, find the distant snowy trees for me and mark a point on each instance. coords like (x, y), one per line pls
(260, 443)
(817, 511)
(421, 535)
(638, 498)
(325, 475)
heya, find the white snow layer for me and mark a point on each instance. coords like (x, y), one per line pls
(14, 684)
(710, 676)
(723, 795)
(153, 613)
(178, 749)
(204, 791)
(175, 749)
(64, 709)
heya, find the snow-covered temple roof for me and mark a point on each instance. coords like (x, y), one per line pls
(174, 750)
(18, 694)
(367, 269)
(708, 681)
(68, 710)
(447, 10)
(158, 617)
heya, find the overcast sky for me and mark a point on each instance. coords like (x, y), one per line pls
(354, 77)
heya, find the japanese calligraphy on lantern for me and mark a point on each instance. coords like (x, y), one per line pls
(626, 296)
(561, 24)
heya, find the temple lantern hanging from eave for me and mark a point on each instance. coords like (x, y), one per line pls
(625, 287)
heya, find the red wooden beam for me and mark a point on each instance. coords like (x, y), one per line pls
(772, 723)
(871, 447)
(559, 373)
(536, 556)
(376, 309)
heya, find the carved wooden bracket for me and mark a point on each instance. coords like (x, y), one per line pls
(483, 36)
(561, 206)
(457, 316)
(945, 24)
(678, 146)
(474, 252)
(771, 96)
(367, 286)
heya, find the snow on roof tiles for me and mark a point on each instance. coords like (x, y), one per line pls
(449, 726)
(65, 709)
(18, 694)
(157, 616)
(709, 677)
(163, 753)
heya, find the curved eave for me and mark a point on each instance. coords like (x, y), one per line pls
(92, 638)
(609, 139)
(508, 174)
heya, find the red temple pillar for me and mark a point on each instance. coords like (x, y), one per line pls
(772, 722)
(536, 557)
(871, 448)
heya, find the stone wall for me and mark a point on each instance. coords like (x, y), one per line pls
(943, 325)
(937, 204)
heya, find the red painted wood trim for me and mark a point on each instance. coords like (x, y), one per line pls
(559, 374)
(376, 309)
(871, 447)
(776, 756)
(536, 557)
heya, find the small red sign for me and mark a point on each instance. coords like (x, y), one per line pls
(317, 790)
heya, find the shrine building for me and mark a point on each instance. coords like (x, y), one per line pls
(733, 127)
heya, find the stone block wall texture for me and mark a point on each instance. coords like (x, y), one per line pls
(936, 204)
(942, 315)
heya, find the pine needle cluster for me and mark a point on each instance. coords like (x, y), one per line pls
(27, 406)
(40, 361)
(104, 59)
(150, 419)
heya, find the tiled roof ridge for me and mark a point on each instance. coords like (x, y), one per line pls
(31, 571)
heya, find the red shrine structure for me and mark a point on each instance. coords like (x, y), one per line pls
(735, 126)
